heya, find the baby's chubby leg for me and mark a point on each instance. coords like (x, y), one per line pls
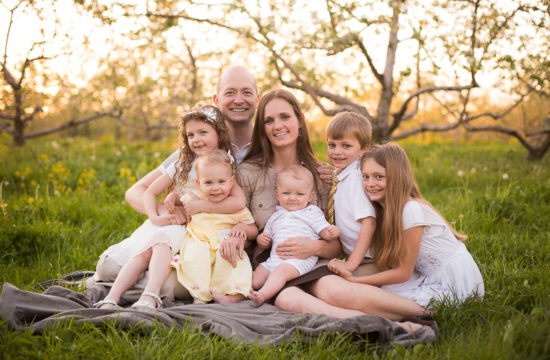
(275, 282)
(259, 277)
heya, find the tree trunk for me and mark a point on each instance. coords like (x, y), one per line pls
(18, 123)
(537, 153)
(381, 124)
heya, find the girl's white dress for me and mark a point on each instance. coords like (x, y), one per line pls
(149, 234)
(444, 267)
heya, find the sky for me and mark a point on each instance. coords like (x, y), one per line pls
(83, 61)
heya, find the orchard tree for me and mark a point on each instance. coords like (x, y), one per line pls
(386, 59)
(23, 102)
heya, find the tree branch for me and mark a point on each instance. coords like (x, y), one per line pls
(29, 117)
(72, 123)
(398, 116)
(7, 117)
(365, 52)
(425, 128)
(6, 127)
(314, 92)
(503, 130)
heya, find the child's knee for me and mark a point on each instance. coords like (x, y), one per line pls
(106, 269)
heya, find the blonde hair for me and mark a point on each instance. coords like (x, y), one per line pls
(296, 172)
(388, 243)
(210, 115)
(215, 157)
(349, 122)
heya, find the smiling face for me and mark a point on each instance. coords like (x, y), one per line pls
(201, 136)
(281, 124)
(344, 151)
(374, 180)
(237, 97)
(294, 193)
(215, 180)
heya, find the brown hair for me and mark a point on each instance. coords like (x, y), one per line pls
(388, 244)
(210, 115)
(348, 122)
(261, 153)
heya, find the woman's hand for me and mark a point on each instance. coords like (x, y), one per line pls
(340, 267)
(298, 248)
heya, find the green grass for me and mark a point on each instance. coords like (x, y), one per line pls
(62, 204)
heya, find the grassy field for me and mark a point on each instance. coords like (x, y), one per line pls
(62, 203)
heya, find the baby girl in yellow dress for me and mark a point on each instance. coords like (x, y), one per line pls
(199, 265)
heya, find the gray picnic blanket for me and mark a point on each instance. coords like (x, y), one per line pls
(242, 322)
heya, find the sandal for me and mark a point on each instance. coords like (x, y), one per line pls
(100, 303)
(147, 305)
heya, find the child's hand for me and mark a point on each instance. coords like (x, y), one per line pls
(330, 232)
(193, 205)
(171, 201)
(264, 240)
(163, 220)
(340, 267)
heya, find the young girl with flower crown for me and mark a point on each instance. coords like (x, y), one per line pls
(421, 256)
(156, 241)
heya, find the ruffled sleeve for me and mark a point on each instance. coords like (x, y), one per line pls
(414, 215)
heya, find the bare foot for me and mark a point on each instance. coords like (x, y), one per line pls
(256, 297)
(409, 326)
(226, 299)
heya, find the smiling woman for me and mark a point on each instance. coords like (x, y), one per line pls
(280, 140)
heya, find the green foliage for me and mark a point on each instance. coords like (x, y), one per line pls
(62, 203)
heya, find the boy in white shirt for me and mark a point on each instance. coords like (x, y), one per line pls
(348, 137)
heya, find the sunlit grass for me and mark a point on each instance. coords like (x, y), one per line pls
(62, 203)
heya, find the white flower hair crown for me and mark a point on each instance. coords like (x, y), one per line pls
(210, 114)
(230, 157)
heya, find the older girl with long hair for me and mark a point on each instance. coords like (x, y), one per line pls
(421, 256)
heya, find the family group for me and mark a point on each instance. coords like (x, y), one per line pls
(245, 182)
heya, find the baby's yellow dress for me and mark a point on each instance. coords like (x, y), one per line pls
(199, 266)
